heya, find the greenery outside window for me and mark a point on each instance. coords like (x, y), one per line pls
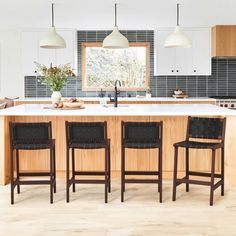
(101, 67)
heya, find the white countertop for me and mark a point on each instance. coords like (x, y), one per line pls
(127, 99)
(122, 110)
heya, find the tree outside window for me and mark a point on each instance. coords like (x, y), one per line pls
(101, 67)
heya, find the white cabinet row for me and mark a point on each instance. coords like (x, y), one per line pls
(31, 51)
(195, 60)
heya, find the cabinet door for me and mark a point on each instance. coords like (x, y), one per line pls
(184, 58)
(202, 52)
(45, 56)
(165, 60)
(29, 42)
(66, 55)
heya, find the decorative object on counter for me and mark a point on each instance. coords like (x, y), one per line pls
(53, 40)
(178, 93)
(177, 39)
(67, 104)
(72, 102)
(55, 77)
(148, 92)
(115, 40)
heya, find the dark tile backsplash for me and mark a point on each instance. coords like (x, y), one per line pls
(221, 82)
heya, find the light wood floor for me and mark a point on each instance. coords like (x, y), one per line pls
(140, 214)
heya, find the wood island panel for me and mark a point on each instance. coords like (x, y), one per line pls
(174, 130)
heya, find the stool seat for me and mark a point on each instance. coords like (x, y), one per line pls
(141, 135)
(32, 146)
(31, 136)
(198, 145)
(88, 145)
(87, 135)
(140, 145)
(201, 128)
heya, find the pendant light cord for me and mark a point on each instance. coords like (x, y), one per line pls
(115, 14)
(53, 15)
(178, 14)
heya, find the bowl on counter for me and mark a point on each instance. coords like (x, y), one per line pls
(73, 104)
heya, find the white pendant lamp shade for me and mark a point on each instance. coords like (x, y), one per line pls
(115, 40)
(177, 38)
(53, 40)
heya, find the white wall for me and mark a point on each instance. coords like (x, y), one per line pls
(95, 15)
(11, 79)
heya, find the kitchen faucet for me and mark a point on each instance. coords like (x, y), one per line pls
(116, 93)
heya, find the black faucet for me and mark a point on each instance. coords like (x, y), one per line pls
(116, 93)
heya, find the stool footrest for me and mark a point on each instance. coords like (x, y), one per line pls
(218, 184)
(87, 181)
(191, 181)
(194, 173)
(142, 181)
(141, 173)
(32, 182)
(89, 173)
(25, 174)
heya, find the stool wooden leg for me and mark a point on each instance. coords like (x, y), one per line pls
(212, 178)
(67, 175)
(160, 173)
(122, 173)
(175, 173)
(17, 170)
(54, 168)
(12, 176)
(106, 174)
(109, 168)
(222, 171)
(187, 167)
(73, 168)
(51, 175)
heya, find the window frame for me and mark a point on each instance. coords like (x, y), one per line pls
(84, 45)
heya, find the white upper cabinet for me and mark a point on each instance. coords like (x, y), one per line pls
(68, 54)
(202, 52)
(195, 60)
(32, 52)
(29, 52)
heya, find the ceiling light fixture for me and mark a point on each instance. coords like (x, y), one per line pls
(115, 40)
(53, 40)
(177, 38)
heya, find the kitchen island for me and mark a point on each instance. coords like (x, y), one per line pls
(174, 117)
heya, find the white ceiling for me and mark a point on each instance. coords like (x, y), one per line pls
(132, 14)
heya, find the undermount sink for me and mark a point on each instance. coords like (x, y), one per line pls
(112, 105)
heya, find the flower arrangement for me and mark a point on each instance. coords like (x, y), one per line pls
(54, 76)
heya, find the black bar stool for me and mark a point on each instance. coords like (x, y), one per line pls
(141, 135)
(202, 128)
(87, 135)
(31, 136)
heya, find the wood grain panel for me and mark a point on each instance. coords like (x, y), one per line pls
(224, 41)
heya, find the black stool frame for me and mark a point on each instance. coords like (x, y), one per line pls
(187, 144)
(31, 144)
(87, 144)
(141, 144)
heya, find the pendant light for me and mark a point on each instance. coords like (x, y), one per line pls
(115, 40)
(177, 38)
(53, 40)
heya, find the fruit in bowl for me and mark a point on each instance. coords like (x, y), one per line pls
(72, 102)
(58, 105)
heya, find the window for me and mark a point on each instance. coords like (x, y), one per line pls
(101, 67)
